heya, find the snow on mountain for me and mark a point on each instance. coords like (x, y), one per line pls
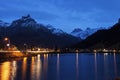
(3, 24)
(28, 21)
(77, 30)
(83, 34)
(55, 30)
(25, 21)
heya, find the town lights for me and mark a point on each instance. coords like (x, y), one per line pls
(7, 42)
(6, 39)
(8, 45)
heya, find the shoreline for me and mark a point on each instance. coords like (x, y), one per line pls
(5, 56)
(12, 56)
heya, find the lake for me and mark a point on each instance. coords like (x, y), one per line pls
(68, 66)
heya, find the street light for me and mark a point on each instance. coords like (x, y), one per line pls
(8, 45)
(7, 41)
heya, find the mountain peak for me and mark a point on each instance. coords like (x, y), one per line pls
(76, 30)
(83, 34)
(25, 21)
(55, 30)
(26, 17)
(105, 38)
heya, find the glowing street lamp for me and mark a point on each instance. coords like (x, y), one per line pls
(8, 45)
(6, 39)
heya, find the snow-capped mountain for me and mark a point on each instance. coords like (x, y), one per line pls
(3, 24)
(76, 30)
(55, 30)
(107, 38)
(83, 34)
(27, 30)
(25, 21)
(28, 21)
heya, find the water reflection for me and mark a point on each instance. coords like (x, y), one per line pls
(109, 66)
(45, 66)
(24, 68)
(58, 66)
(106, 67)
(14, 70)
(35, 68)
(115, 65)
(77, 67)
(105, 54)
(96, 72)
(38, 68)
(32, 68)
(5, 71)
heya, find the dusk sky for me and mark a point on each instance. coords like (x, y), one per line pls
(63, 14)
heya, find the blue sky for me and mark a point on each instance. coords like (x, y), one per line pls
(63, 14)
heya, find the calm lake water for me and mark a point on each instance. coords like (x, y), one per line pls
(83, 66)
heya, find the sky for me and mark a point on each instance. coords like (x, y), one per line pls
(63, 14)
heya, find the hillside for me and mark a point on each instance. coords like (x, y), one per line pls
(83, 34)
(103, 39)
(27, 31)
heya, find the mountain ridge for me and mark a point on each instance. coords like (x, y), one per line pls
(83, 34)
(27, 31)
(102, 39)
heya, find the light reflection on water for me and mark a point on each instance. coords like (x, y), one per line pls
(58, 66)
(77, 67)
(35, 68)
(115, 65)
(13, 70)
(5, 71)
(24, 68)
(45, 66)
(95, 66)
(62, 67)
